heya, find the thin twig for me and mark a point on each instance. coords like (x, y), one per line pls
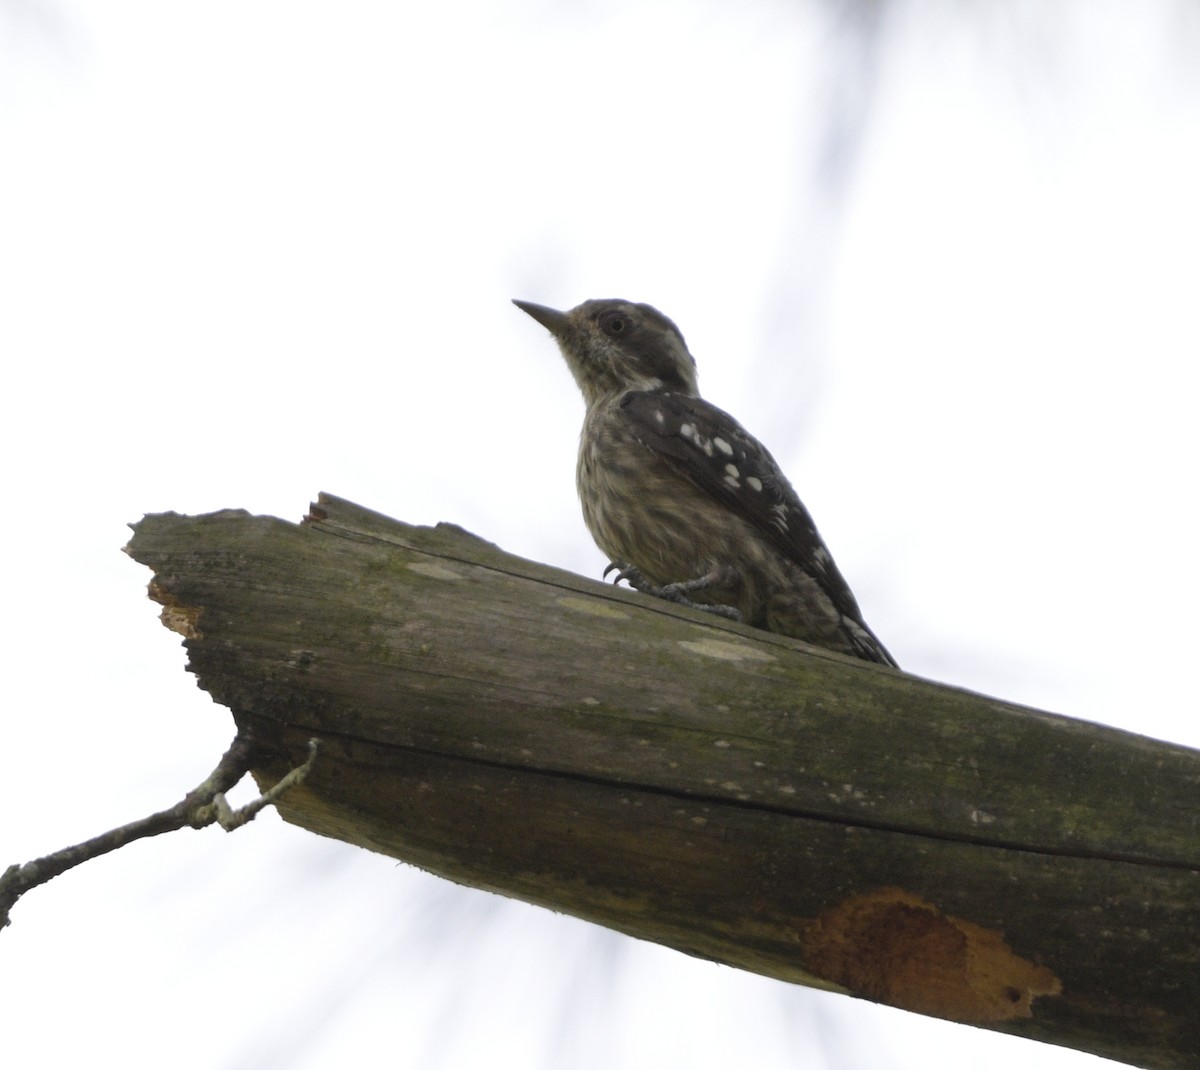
(230, 819)
(204, 805)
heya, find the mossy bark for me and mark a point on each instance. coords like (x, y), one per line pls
(731, 793)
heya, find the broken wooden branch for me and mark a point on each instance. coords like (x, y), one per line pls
(727, 792)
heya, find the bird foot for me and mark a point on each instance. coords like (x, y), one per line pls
(676, 592)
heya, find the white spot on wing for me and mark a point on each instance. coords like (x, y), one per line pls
(732, 470)
(723, 446)
(754, 483)
(689, 432)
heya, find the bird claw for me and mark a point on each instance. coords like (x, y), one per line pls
(629, 573)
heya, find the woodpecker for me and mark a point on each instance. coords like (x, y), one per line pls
(686, 503)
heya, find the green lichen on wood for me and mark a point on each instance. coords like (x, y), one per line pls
(685, 779)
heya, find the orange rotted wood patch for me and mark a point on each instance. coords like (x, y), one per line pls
(179, 618)
(895, 947)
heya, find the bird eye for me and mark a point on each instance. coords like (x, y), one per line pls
(613, 323)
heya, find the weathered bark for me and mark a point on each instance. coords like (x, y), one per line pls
(720, 790)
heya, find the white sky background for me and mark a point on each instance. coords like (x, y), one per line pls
(946, 269)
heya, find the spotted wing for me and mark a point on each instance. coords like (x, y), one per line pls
(720, 457)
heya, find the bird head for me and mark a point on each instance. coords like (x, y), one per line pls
(612, 346)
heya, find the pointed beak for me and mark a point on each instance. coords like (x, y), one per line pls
(550, 318)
